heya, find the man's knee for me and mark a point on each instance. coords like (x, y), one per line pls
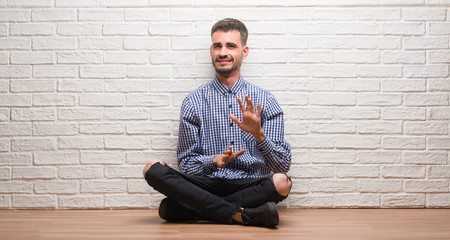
(282, 183)
(150, 164)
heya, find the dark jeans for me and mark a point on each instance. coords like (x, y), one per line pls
(217, 199)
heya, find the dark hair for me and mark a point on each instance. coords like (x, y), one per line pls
(230, 24)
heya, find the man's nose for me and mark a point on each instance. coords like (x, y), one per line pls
(223, 52)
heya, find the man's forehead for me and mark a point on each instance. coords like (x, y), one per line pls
(232, 36)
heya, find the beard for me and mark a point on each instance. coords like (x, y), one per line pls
(225, 71)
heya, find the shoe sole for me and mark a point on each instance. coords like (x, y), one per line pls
(273, 210)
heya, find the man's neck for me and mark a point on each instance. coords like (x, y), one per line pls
(229, 80)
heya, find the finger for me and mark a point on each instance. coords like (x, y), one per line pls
(241, 105)
(259, 110)
(237, 154)
(250, 106)
(235, 119)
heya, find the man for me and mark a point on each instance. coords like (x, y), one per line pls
(215, 182)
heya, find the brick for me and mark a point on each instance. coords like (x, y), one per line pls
(146, 43)
(83, 172)
(317, 28)
(80, 114)
(171, 29)
(102, 72)
(380, 186)
(335, 127)
(357, 57)
(256, 14)
(426, 128)
(439, 143)
(24, 3)
(50, 15)
(357, 171)
(137, 29)
(123, 171)
(15, 129)
(53, 43)
(333, 71)
(341, 14)
(334, 43)
(128, 113)
(404, 143)
(296, 128)
(405, 113)
(14, 15)
(423, 14)
(4, 57)
(103, 186)
(148, 128)
(192, 14)
(378, 157)
(357, 28)
(119, 3)
(5, 174)
(380, 71)
(79, 3)
(438, 28)
(308, 171)
(276, 42)
(56, 187)
(101, 15)
(55, 71)
(15, 100)
(403, 85)
(102, 158)
(33, 173)
(156, 14)
(408, 57)
(150, 100)
(33, 114)
(333, 186)
(190, 43)
(439, 56)
(403, 28)
(426, 186)
(277, 70)
(32, 58)
(33, 144)
(312, 201)
(312, 142)
(5, 145)
(15, 71)
(442, 172)
(425, 43)
(310, 57)
(439, 113)
(178, 57)
(164, 143)
(357, 200)
(357, 142)
(425, 158)
(33, 201)
(102, 128)
(128, 201)
(388, 127)
(438, 200)
(403, 201)
(172, 86)
(80, 143)
(15, 159)
(31, 29)
(357, 113)
(127, 142)
(102, 99)
(374, 14)
(55, 158)
(428, 71)
(306, 113)
(80, 86)
(55, 129)
(426, 99)
(100, 43)
(80, 202)
(149, 72)
(379, 99)
(16, 187)
(126, 57)
(79, 29)
(79, 57)
(5, 202)
(54, 100)
(403, 172)
(381, 43)
(299, 186)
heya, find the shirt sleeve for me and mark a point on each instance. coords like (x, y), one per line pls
(275, 150)
(189, 152)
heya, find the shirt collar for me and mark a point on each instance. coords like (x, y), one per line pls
(223, 89)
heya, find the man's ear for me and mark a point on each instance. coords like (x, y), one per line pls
(245, 52)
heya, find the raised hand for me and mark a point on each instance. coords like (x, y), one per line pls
(251, 121)
(222, 160)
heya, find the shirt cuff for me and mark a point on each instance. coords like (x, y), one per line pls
(265, 146)
(208, 164)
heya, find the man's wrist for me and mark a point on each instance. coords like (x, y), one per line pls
(259, 136)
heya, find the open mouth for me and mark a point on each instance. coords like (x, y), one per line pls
(224, 60)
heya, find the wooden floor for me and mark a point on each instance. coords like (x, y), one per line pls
(423, 224)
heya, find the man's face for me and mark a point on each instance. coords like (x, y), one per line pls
(227, 52)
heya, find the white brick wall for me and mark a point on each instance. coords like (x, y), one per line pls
(90, 91)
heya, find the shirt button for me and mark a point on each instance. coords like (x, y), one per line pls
(231, 124)
(229, 91)
(232, 142)
(230, 106)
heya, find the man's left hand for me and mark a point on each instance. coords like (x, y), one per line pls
(251, 121)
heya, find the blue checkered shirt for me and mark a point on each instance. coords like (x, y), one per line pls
(206, 131)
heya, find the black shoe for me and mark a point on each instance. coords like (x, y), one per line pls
(265, 215)
(173, 211)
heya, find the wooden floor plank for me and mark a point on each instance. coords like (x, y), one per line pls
(294, 224)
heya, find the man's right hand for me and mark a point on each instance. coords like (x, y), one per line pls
(222, 160)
